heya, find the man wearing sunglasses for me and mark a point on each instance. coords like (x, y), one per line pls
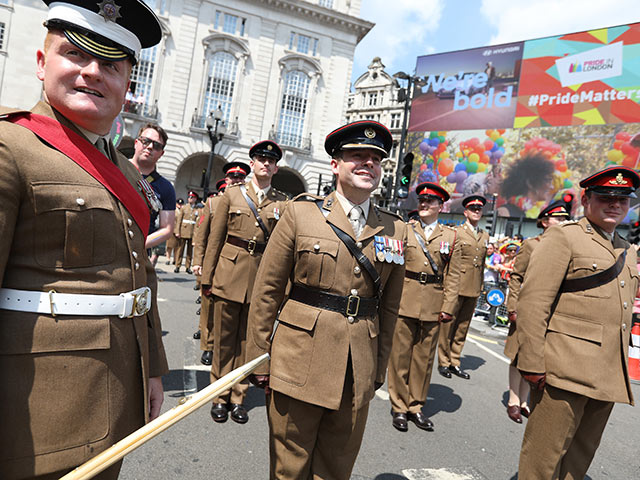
(462, 286)
(148, 148)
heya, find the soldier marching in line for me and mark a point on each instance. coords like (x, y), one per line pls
(427, 253)
(173, 242)
(553, 214)
(330, 350)
(573, 330)
(234, 173)
(462, 286)
(186, 223)
(242, 223)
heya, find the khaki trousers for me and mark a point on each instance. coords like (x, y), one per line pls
(562, 436)
(185, 243)
(206, 323)
(311, 442)
(229, 345)
(411, 363)
(454, 333)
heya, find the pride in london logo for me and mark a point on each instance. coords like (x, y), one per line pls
(590, 65)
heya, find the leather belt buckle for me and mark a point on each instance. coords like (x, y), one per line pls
(251, 246)
(424, 277)
(140, 301)
(351, 310)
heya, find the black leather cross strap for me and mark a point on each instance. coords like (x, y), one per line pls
(253, 208)
(250, 246)
(432, 262)
(595, 280)
(356, 252)
(423, 277)
(351, 306)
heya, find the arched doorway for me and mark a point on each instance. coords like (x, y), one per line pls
(288, 181)
(191, 174)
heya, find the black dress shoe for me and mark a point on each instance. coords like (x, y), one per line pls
(421, 421)
(239, 413)
(176, 270)
(189, 271)
(459, 373)
(219, 412)
(399, 421)
(198, 300)
(206, 357)
(196, 287)
(196, 336)
(444, 371)
(198, 312)
(168, 262)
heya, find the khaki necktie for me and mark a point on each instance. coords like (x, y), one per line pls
(356, 219)
(260, 196)
(102, 146)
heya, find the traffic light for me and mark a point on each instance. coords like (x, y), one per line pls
(387, 187)
(405, 179)
(634, 233)
(492, 216)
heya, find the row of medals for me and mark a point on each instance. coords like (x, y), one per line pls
(384, 252)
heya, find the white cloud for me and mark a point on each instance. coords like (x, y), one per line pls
(526, 19)
(400, 25)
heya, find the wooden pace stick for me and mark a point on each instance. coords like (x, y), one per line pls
(186, 406)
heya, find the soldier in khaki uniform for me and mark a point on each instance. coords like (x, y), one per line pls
(81, 351)
(234, 250)
(186, 221)
(462, 286)
(553, 214)
(173, 242)
(416, 335)
(574, 319)
(332, 343)
(234, 173)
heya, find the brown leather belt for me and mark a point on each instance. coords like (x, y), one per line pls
(423, 277)
(351, 306)
(250, 246)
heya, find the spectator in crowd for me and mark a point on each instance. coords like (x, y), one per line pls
(509, 249)
(492, 265)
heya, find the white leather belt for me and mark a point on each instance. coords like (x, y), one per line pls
(189, 221)
(130, 304)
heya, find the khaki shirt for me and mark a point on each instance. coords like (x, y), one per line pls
(311, 345)
(580, 339)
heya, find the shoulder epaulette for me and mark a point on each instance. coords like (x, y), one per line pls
(235, 185)
(286, 195)
(309, 197)
(384, 210)
(568, 222)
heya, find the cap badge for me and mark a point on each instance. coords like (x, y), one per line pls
(109, 10)
(619, 180)
(269, 147)
(369, 133)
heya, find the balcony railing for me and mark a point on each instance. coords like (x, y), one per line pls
(200, 121)
(141, 109)
(287, 139)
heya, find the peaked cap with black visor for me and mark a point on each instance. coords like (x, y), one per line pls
(110, 30)
(361, 134)
(618, 181)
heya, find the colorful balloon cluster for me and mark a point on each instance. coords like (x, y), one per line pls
(622, 152)
(434, 149)
(553, 151)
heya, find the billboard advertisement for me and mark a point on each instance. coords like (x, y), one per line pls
(526, 120)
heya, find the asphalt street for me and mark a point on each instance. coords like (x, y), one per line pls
(473, 437)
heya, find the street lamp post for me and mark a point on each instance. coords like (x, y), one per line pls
(216, 130)
(412, 81)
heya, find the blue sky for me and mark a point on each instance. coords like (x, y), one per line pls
(406, 29)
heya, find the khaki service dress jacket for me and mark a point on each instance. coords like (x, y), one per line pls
(71, 385)
(229, 269)
(312, 345)
(202, 231)
(466, 268)
(515, 283)
(424, 301)
(186, 220)
(580, 339)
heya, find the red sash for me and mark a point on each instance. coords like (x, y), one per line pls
(90, 159)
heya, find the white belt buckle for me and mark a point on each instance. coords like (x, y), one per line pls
(136, 303)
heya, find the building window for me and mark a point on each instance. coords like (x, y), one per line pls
(293, 108)
(303, 44)
(139, 97)
(221, 81)
(230, 23)
(2, 30)
(373, 99)
(368, 117)
(326, 3)
(395, 120)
